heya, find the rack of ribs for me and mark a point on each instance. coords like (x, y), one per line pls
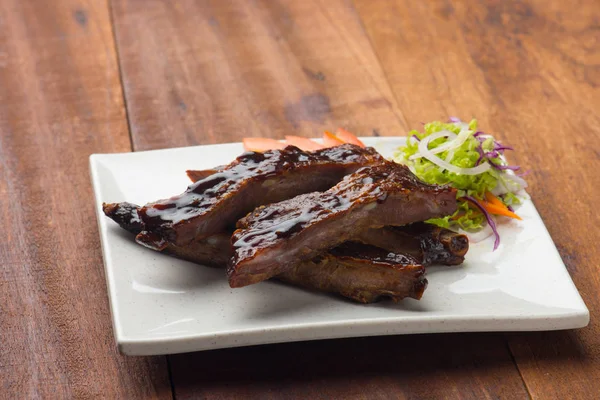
(275, 237)
(360, 272)
(340, 220)
(364, 273)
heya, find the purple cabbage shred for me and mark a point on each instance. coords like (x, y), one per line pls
(505, 167)
(488, 217)
(481, 154)
(524, 173)
(499, 147)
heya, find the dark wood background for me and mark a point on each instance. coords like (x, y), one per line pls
(86, 76)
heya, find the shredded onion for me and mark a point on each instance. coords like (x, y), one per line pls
(428, 154)
(439, 149)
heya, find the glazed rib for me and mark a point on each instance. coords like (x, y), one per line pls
(428, 243)
(360, 272)
(214, 250)
(214, 204)
(275, 237)
(357, 271)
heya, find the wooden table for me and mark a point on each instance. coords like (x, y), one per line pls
(85, 76)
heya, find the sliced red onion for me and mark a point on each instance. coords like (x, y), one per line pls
(454, 119)
(416, 138)
(488, 217)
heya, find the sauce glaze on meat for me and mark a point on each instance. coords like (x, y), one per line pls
(274, 237)
(360, 272)
(214, 203)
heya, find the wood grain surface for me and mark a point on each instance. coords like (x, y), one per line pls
(198, 72)
(450, 366)
(530, 71)
(60, 100)
(78, 77)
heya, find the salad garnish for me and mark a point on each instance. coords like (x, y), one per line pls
(456, 153)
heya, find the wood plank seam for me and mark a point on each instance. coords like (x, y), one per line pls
(396, 108)
(514, 360)
(113, 28)
(131, 142)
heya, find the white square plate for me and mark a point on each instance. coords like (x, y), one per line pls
(165, 305)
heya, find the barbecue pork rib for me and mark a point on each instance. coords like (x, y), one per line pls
(214, 204)
(360, 272)
(213, 251)
(428, 243)
(275, 237)
(354, 270)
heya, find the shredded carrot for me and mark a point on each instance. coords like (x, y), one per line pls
(490, 198)
(498, 209)
(348, 137)
(303, 143)
(261, 144)
(330, 140)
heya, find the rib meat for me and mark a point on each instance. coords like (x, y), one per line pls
(428, 243)
(275, 237)
(363, 273)
(213, 204)
(214, 250)
(360, 272)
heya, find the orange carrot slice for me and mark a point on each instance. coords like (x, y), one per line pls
(348, 137)
(330, 140)
(490, 198)
(261, 144)
(499, 210)
(303, 143)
